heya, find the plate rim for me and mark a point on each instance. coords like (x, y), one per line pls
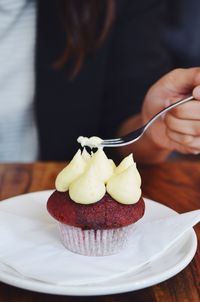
(41, 287)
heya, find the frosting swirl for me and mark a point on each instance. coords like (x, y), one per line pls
(88, 177)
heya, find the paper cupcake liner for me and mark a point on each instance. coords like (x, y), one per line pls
(94, 242)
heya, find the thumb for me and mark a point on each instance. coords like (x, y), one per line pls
(196, 93)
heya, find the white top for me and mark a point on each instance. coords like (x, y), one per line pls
(18, 135)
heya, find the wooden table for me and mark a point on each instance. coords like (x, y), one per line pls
(175, 184)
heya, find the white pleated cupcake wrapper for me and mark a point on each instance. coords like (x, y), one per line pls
(94, 242)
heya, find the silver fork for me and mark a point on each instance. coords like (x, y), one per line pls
(137, 134)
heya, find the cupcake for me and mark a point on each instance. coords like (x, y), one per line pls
(96, 204)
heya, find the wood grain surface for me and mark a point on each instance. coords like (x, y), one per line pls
(175, 184)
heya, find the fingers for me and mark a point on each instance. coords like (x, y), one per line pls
(187, 111)
(184, 133)
(182, 126)
(185, 143)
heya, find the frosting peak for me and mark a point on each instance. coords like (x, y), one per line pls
(75, 168)
(123, 187)
(126, 163)
(104, 168)
(88, 188)
(86, 156)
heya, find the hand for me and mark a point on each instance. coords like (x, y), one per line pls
(179, 129)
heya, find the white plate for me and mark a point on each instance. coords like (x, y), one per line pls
(167, 265)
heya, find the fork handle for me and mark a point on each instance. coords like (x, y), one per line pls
(190, 98)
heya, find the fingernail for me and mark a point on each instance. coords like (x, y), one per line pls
(196, 152)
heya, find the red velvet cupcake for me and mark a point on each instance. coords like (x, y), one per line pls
(95, 217)
(104, 214)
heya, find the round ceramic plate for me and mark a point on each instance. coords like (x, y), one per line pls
(168, 264)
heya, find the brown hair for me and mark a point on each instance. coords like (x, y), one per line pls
(86, 23)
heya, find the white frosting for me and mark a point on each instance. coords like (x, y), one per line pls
(112, 164)
(104, 168)
(74, 169)
(125, 163)
(123, 187)
(88, 188)
(128, 162)
(91, 142)
(87, 177)
(86, 156)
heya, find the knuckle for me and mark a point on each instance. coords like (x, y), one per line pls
(197, 130)
(167, 120)
(170, 121)
(177, 71)
(197, 73)
(179, 112)
(187, 139)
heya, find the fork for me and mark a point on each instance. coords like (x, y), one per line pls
(137, 134)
